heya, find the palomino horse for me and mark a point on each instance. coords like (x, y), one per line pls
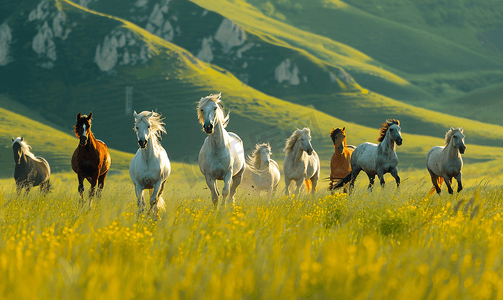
(91, 159)
(150, 167)
(377, 159)
(302, 163)
(263, 170)
(340, 164)
(30, 170)
(443, 163)
(222, 155)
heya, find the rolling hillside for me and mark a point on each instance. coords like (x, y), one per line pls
(57, 67)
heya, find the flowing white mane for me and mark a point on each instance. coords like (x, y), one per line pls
(219, 114)
(254, 160)
(451, 133)
(155, 122)
(25, 148)
(297, 134)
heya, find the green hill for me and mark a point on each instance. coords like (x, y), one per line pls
(94, 67)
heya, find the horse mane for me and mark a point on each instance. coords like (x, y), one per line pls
(156, 124)
(297, 134)
(450, 133)
(25, 148)
(255, 157)
(219, 113)
(385, 126)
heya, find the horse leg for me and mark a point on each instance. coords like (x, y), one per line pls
(101, 183)
(227, 186)
(314, 181)
(287, 185)
(448, 182)
(394, 173)
(371, 180)
(44, 187)
(94, 182)
(380, 175)
(153, 198)
(354, 173)
(434, 180)
(236, 180)
(460, 184)
(299, 184)
(139, 195)
(210, 182)
(81, 184)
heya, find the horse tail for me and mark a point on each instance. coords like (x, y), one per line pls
(309, 185)
(341, 183)
(440, 180)
(160, 203)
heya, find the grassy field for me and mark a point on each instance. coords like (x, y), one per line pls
(385, 244)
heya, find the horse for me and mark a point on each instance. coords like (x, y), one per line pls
(263, 170)
(302, 163)
(222, 156)
(376, 159)
(150, 167)
(444, 163)
(340, 164)
(91, 160)
(30, 170)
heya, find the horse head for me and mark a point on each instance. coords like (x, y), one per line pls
(395, 134)
(17, 149)
(142, 128)
(265, 154)
(459, 140)
(338, 137)
(305, 143)
(82, 128)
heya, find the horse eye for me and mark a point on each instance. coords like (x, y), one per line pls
(148, 126)
(136, 128)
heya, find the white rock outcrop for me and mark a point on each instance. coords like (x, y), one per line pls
(287, 71)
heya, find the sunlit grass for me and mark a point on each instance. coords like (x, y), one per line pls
(385, 244)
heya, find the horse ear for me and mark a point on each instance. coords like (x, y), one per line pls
(135, 115)
(343, 129)
(12, 139)
(219, 95)
(22, 139)
(78, 116)
(150, 114)
(90, 116)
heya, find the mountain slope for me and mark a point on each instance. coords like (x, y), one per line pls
(93, 68)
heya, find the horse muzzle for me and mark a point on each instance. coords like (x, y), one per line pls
(309, 151)
(462, 150)
(208, 128)
(83, 140)
(142, 144)
(399, 142)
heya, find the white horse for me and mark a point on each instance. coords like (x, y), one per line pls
(443, 163)
(377, 159)
(150, 167)
(302, 163)
(222, 155)
(263, 170)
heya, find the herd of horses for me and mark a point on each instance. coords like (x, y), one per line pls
(222, 158)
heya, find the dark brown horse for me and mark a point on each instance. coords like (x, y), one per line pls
(30, 170)
(91, 160)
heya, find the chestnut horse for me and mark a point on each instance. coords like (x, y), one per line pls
(340, 164)
(91, 160)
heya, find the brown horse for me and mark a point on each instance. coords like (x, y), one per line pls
(30, 170)
(340, 164)
(91, 160)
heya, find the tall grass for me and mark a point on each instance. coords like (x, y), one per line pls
(384, 244)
